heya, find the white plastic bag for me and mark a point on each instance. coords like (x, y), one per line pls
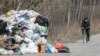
(43, 40)
(3, 51)
(30, 24)
(29, 48)
(28, 33)
(18, 38)
(27, 39)
(10, 52)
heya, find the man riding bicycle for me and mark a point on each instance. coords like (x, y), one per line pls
(86, 28)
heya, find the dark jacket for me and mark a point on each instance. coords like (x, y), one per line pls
(85, 25)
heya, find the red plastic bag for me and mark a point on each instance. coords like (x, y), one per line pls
(58, 45)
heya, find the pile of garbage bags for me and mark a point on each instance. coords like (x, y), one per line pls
(26, 33)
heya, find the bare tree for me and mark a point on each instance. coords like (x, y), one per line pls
(69, 12)
(80, 8)
(19, 4)
(93, 8)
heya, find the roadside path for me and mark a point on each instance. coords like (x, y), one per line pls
(92, 48)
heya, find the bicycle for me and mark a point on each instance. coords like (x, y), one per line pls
(84, 37)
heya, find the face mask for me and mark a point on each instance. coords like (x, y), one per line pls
(86, 20)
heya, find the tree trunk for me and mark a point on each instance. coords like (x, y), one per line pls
(94, 2)
(80, 8)
(69, 12)
(19, 4)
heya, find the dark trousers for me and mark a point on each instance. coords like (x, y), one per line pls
(87, 32)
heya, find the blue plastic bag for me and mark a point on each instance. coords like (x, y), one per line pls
(47, 48)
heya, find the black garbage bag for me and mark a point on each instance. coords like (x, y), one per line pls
(63, 50)
(3, 26)
(42, 21)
